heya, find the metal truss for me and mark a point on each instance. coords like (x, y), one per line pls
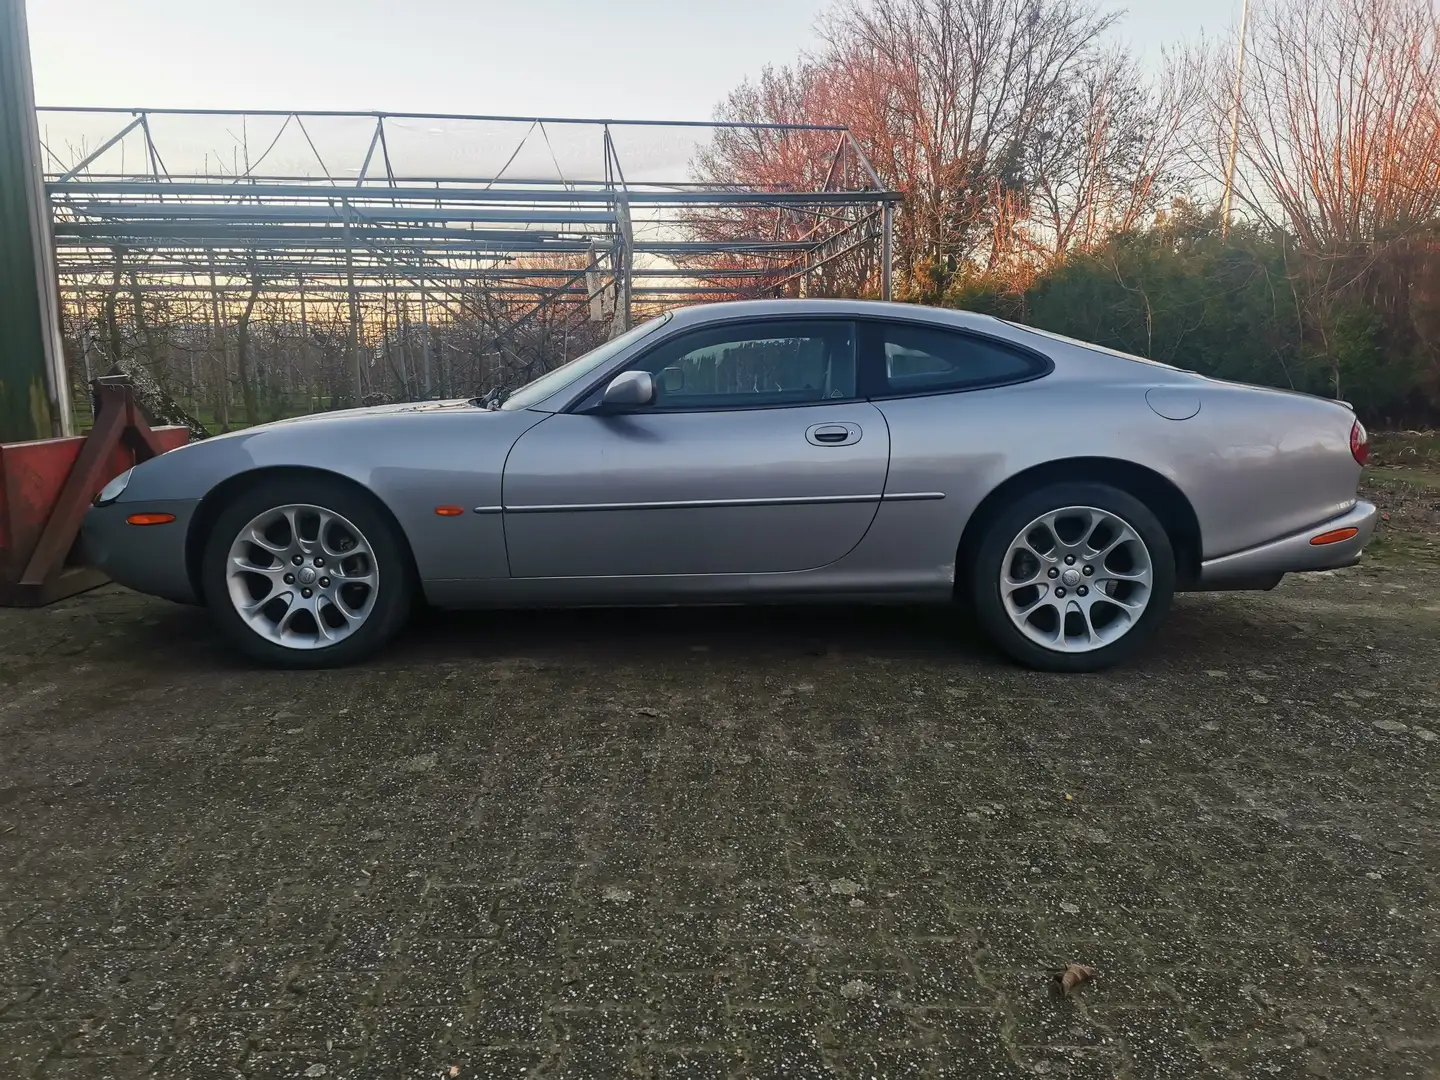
(179, 203)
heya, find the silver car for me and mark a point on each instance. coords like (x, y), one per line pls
(760, 452)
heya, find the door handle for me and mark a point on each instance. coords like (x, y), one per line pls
(833, 434)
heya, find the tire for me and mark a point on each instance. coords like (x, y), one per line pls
(1126, 591)
(361, 542)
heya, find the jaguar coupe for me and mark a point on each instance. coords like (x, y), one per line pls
(778, 451)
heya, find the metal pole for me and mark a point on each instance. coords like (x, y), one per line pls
(82, 308)
(887, 250)
(34, 387)
(624, 257)
(307, 373)
(1235, 119)
(425, 342)
(587, 120)
(84, 162)
(224, 350)
(354, 342)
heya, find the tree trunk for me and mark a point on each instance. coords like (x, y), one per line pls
(147, 335)
(112, 322)
(157, 403)
(242, 356)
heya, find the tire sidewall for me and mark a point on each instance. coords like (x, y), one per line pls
(985, 574)
(394, 589)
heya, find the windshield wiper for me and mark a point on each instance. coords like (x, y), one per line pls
(492, 399)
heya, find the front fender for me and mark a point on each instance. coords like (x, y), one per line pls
(411, 461)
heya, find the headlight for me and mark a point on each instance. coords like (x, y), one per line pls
(111, 491)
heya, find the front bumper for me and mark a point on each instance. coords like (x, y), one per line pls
(1262, 567)
(146, 558)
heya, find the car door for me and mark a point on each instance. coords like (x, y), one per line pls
(756, 457)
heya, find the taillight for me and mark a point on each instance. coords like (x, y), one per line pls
(1359, 443)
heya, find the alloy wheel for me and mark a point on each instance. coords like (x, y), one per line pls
(1076, 579)
(302, 576)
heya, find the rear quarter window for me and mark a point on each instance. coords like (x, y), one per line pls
(926, 359)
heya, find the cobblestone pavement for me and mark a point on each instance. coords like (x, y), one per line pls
(834, 843)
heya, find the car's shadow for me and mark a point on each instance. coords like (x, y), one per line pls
(733, 631)
(1194, 631)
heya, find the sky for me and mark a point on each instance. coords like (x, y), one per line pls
(653, 59)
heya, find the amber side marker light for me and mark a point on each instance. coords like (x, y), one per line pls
(149, 519)
(1333, 537)
(449, 511)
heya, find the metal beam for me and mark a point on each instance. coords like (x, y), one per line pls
(461, 191)
(415, 290)
(358, 387)
(887, 251)
(316, 270)
(106, 145)
(454, 243)
(444, 116)
(321, 214)
(177, 235)
(365, 167)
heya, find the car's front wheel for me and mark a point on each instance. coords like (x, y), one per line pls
(1073, 577)
(303, 573)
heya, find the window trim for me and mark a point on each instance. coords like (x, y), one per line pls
(874, 383)
(587, 400)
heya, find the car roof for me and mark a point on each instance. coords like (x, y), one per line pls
(1056, 346)
(699, 314)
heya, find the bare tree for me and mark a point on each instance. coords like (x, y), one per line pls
(1111, 155)
(242, 350)
(808, 92)
(1339, 130)
(956, 103)
(954, 92)
(152, 395)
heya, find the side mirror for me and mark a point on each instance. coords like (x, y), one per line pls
(630, 388)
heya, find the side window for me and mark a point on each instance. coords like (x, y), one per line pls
(752, 365)
(924, 359)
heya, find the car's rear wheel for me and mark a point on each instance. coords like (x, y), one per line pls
(1073, 577)
(304, 573)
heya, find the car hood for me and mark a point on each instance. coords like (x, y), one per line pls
(369, 412)
(377, 410)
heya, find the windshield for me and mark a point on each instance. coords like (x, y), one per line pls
(555, 381)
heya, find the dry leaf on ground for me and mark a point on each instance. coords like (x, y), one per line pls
(1072, 977)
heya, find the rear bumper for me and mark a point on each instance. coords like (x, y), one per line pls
(1262, 567)
(148, 558)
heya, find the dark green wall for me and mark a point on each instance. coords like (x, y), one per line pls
(24, 404)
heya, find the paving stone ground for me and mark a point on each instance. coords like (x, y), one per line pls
(836, 843)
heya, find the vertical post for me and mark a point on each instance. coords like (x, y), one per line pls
(425, 343)
(193, 391)
(887, 250)
(593, 289)
(358, 388)
(447, 382)
(82, 309)
(34, 387)
(307, 371)
(87, 344)
(624, 263)
(223, 357)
